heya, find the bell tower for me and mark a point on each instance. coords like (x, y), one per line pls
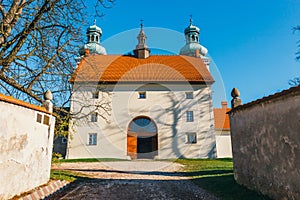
(93, 34)
(141, 50)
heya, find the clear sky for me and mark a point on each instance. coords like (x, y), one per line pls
(251, 42)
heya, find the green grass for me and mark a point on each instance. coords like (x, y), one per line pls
(66, 175)
(216, 176)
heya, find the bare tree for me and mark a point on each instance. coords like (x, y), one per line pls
(294, 81)
(39, 40)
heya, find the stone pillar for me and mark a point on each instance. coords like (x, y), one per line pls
(48, 104)
(236, 101)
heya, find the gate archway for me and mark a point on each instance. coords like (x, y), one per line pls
(142, 140)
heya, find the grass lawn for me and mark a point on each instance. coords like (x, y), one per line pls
(216, 176)
(66, 175)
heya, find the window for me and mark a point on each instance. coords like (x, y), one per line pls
(142, 95)
(189, 116)
(189, 95)
(93, 139)
(94, 117)
(193, 38)
(191, 138)
(95, 95)
(39, 118)
(46, 120)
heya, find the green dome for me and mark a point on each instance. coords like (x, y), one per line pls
(94, 28)
(93, 34)
(191, 28)
(192, 46)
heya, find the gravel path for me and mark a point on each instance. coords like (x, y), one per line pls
(132, 180)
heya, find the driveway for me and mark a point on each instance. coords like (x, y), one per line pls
(131, 180)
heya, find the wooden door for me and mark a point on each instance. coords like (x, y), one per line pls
(132, 145)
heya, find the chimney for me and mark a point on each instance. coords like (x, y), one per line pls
(87, 52)
(197, 53)
(224, 104)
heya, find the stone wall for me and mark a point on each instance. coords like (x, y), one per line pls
(266, 144)
(26, 138)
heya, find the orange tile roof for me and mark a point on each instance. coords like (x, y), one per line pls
(156, 68)
(221, 118)
(10, 99)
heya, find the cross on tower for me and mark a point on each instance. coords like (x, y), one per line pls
(142, 25)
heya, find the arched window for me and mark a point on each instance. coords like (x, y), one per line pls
(142, 124)
(193, 38)
(97, 38)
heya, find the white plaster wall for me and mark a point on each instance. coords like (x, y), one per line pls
(223, 144)
(25, 150)
(165, 104)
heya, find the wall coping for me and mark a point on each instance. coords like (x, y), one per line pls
(12, 100)
(273, 97)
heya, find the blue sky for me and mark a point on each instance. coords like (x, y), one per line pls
(251, 42)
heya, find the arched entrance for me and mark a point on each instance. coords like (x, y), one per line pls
(142, 138)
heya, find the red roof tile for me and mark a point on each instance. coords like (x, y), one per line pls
(221, 118)
(10, 99)
(156, 68)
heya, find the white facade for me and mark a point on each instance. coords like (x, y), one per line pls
(166, 104)
(223, 146)
(26, 138)
(156, 106)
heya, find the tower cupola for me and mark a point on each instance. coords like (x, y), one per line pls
(93, 34)
(141, 50)
(192, 46)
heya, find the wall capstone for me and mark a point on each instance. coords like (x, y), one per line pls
(236, 101)
(48, 104)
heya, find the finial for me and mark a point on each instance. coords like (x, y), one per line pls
(191, 19)
(236, 101)
(142, 23)
(235, 93)
(94, 21)
(48, 95)
(47, 103)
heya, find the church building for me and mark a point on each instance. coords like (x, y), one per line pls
(142, 106)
